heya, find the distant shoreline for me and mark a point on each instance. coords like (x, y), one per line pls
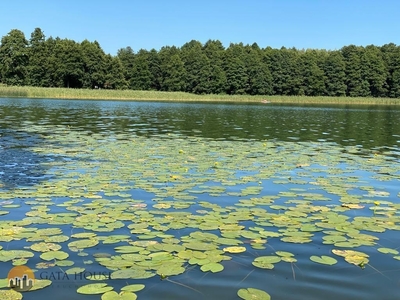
(131, 95)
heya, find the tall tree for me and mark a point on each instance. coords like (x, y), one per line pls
(173, 70)
(66, 64)
(127, 58)
(198, 68)
(154, 62)
(214, 50)
(357, 86)
(313, 83)
(141, 75)
(235, 70)
(374, 71)
(14, 58)
(39, 54)
(285, 70)
(258, 74)
(334, 69)
(114, 78)
(94, 60)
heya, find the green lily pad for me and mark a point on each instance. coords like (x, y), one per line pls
(124, 295)
(388, 250)
(132, 274)
(94, 288)
(10, 295)
(59, 255)
(235, 249)
(44, 247)
(84, 243)
(133, 287)
(325, 260)
(75, 270)
(3, 283)
(40, 284)
(213, 267)
(253, 294)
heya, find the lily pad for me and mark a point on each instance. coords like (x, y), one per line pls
(213, 267)
(10, 295)
(235, 249)
(388, 250)
(133, 288)
(124, 295)
(94, 288)
(40, 284)
(253, 294)
(325, 260)
(59, 255)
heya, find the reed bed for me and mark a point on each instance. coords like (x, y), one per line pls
(103, 94)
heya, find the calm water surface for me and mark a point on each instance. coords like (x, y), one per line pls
(363, 128)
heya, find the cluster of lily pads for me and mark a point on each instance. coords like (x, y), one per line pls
(164, 205)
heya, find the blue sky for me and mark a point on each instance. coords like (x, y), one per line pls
(329, 24)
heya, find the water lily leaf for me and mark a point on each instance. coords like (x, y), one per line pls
(388, 250)
(325, 260)
(131, 274)
(45, 247)
(289, 259)
(94, 288)
(65, 263)
(213, 267)
(124, 295)
(284, 253)
(353, 257)
(83, 235)
(133, 288)
(56, 239)
(40, 284)
(3, 283)
(84, 243)
(235, 249)
(128, 249)
(253, 294)
(170, 269)
(10, 295)
(75, 270)
(59, 255)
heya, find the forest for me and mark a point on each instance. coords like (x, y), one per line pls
(210, 68)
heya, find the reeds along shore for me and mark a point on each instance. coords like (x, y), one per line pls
(103, 94)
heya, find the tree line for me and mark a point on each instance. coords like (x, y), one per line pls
(210, 68)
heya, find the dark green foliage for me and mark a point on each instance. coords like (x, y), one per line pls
(94, 60)
(173, 70)
(141, 76)
(357, 85)
(258, 74)
(68, 64)
(235, 70)
(214, 50)
(334, 69)
(285, 66)
(14, 58)
(127, 58)
(114, 78)
(198, 68)
(208, 68)
(313, 76)
(39, 59)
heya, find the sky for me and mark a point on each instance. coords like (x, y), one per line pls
(116, 24)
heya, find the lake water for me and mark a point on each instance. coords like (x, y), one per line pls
(181, 182)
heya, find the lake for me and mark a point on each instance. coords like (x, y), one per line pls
(193, 201)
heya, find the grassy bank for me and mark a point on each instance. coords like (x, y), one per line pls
(64, 93)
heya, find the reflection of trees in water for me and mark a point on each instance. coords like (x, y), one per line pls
(19, 166)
